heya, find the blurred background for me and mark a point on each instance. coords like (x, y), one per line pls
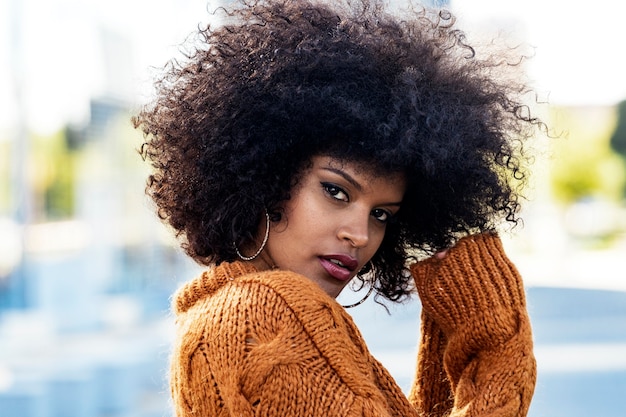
(86, 270)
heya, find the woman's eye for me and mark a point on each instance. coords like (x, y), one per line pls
(335, 192)
(381, 215)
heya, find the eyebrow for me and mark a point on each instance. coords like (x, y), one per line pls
(346, 176)
(354, 182)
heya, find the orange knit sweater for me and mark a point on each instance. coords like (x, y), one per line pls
(274, 344)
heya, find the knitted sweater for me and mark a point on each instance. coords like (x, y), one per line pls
(274, 344)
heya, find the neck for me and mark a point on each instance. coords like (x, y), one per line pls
(263, 262)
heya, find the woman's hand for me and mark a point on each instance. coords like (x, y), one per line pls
(471, 284)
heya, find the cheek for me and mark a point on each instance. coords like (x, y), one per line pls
(310, 214)
(301, 219)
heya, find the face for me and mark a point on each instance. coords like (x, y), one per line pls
(333, 224)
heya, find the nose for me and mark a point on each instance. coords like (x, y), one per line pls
(355, 229)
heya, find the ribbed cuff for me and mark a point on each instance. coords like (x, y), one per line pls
(474, 285)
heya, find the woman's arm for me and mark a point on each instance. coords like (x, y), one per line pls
(476, 353)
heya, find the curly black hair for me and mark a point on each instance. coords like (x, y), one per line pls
(234, 125)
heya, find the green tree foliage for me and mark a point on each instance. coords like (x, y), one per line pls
(583, 165)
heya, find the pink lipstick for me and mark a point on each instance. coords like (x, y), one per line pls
(339, 266)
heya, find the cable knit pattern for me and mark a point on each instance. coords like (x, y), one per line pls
(274, 344)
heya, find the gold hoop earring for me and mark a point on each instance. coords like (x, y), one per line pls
(362, 299)
(258, 252)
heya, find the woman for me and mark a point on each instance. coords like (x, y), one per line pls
(302, 146)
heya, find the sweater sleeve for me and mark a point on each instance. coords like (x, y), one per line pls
(476, 352)
(245, 352)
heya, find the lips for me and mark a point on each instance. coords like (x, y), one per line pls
(339, 266)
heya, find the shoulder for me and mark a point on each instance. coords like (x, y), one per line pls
(221, 285)
(264, 291)
(275, 325)
(293, 289)
(268, 303)
(225, 297)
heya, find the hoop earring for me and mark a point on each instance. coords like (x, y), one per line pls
(258, 252)
(362, 299)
